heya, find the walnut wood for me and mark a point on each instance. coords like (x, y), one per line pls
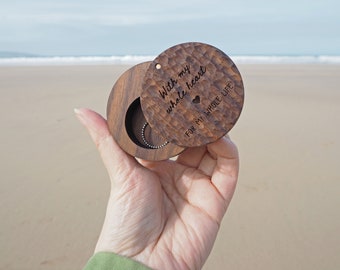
(125, 118)
(192, 94)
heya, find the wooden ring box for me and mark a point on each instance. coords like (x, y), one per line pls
(190, 95)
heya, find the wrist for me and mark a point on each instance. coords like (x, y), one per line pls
(108, 261)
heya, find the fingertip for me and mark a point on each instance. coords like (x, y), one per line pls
(86, 116)
(93, 121)
(78, 113)
(224, 147)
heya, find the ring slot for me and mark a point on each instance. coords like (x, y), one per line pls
(126, 119)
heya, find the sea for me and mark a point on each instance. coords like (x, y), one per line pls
(15, 60)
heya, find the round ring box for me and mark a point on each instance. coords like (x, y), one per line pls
(192, 94)
(126, 120)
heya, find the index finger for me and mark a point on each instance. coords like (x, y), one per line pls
(116, 161)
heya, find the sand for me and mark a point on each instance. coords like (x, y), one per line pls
(285, 212)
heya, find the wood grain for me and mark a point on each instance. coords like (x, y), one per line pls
(125, 118)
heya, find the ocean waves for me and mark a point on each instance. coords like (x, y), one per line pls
(74, 60)
(132, 59)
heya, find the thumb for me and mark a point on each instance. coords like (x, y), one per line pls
(116, 161)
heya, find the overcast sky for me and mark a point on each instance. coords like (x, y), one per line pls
(117, 27)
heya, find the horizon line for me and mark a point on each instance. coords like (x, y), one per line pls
(134, 59)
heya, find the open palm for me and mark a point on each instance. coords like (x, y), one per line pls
(164, 214)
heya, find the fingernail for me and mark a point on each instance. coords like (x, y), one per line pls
(76, 111)
(79, 115)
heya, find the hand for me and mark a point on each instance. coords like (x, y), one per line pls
(164, 214)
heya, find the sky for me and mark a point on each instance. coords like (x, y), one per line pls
(132, 27)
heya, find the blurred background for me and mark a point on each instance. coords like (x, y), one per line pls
(245, 27)
(57, 55)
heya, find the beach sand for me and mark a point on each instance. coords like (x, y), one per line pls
(54, 188)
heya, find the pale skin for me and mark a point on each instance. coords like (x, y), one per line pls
(164, 214)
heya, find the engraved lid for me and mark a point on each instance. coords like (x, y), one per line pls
(192, 94)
